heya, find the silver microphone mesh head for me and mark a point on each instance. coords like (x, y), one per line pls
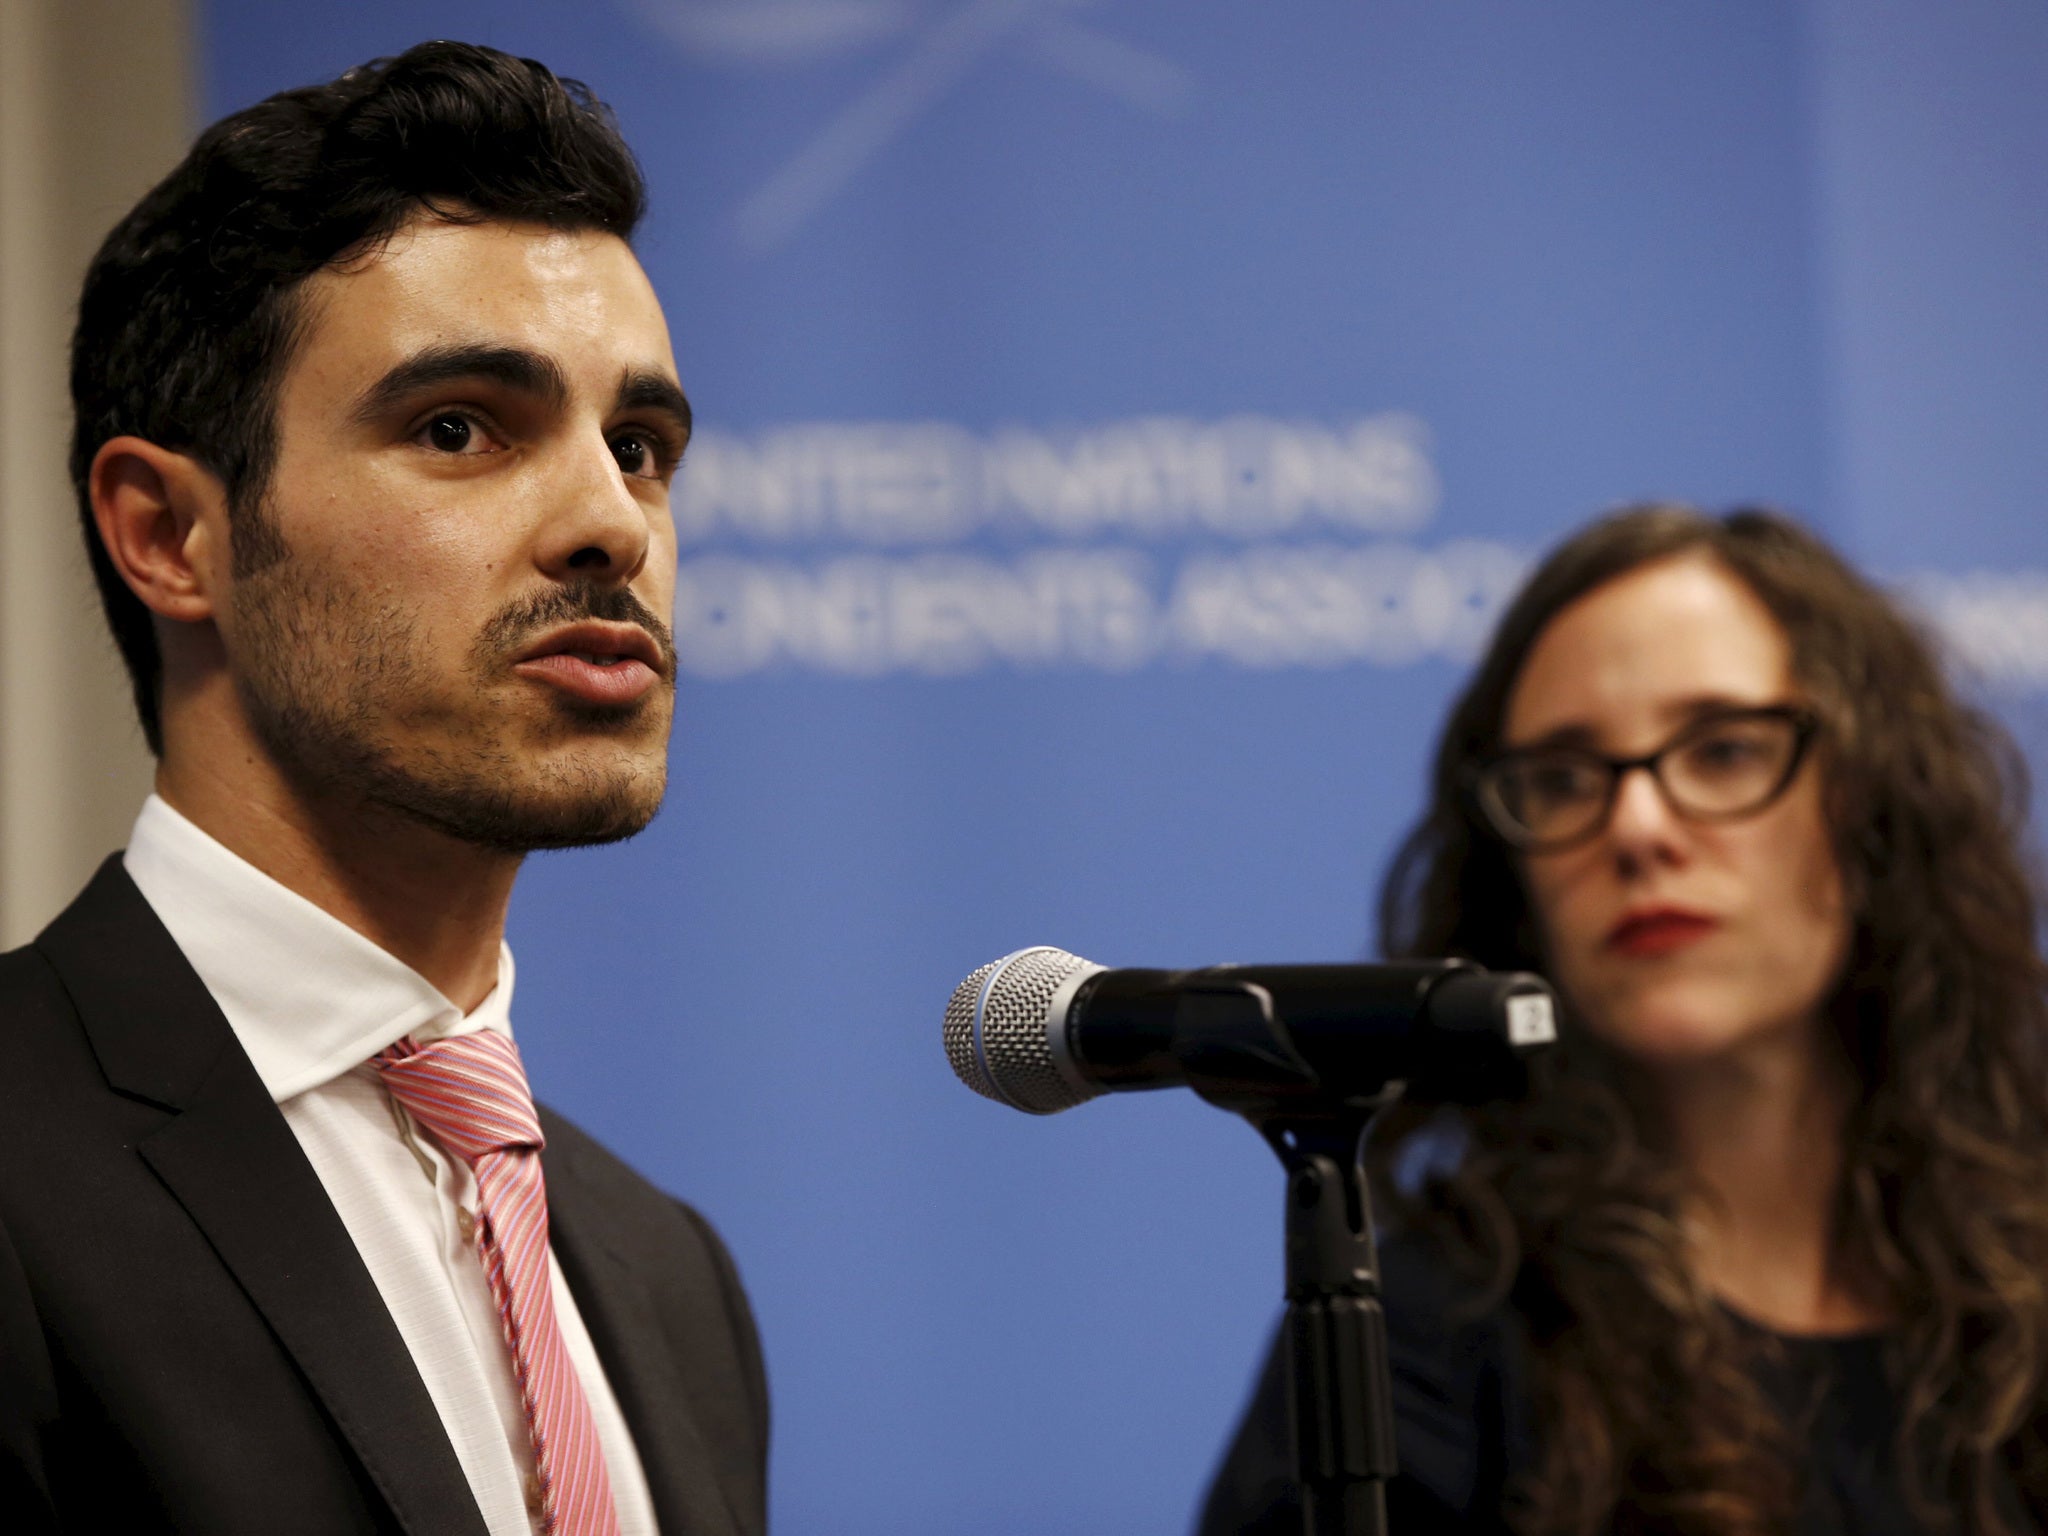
(1005, 1030)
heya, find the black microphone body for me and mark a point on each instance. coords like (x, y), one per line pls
(1043, 1030)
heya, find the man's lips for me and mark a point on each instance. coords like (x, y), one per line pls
(1657, 931)
(595, 662)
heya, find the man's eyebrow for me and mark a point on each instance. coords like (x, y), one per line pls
(529, 373)
(644, 389)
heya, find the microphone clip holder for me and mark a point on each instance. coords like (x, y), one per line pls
(1340, 1385)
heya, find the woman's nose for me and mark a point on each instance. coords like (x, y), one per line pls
(1642, 821)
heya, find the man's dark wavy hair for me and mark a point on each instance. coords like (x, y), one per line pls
(1652, 1420)
(191, 310)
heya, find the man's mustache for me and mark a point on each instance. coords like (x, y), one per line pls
(515, 623)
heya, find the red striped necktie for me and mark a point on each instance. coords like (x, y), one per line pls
(470, 1094)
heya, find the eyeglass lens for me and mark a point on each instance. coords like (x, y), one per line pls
(1721, 767)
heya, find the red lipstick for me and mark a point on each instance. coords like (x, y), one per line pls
(1653, 931)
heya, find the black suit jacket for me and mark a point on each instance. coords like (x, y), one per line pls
(189, 1340)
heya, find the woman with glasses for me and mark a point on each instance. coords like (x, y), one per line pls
(1765, 1247)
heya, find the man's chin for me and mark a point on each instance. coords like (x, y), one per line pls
(527, 819)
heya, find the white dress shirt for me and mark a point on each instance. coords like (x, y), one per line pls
(311, 1001)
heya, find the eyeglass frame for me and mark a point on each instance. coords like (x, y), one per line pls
(1480, 781)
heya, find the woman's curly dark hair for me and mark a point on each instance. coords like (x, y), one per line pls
(1652, 1418)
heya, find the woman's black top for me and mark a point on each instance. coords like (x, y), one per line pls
(1464, 1434)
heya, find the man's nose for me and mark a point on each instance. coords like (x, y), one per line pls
(597, 528)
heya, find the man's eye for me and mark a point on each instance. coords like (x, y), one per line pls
(639, 454)
(452, 434)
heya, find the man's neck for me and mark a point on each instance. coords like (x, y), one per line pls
(433, 902)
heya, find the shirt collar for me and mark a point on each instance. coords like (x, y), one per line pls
(308, 997)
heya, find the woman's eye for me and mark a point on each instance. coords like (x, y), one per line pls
(1559, 783)
(1732, 749)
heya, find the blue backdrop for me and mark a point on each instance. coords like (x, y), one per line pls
(1120, 421)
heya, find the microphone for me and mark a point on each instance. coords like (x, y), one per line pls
(1042, 1030)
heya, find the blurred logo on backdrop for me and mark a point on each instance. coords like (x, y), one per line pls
(924, 53)
(870, 549)
(923, 548)
(878, 548)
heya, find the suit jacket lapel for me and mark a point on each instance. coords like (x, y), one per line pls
(229, 1158)
(622, 1321)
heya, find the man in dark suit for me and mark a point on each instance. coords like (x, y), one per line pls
(377, 416)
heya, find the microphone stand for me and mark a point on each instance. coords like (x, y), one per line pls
(1340, 1386)
(1342, 1397)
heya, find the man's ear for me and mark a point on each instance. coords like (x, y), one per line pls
(162, 518)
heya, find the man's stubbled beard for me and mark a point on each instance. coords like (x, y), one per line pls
(330, 677)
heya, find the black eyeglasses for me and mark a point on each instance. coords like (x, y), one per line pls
(1720, 768)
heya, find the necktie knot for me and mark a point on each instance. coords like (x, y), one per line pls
(468, 1091)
